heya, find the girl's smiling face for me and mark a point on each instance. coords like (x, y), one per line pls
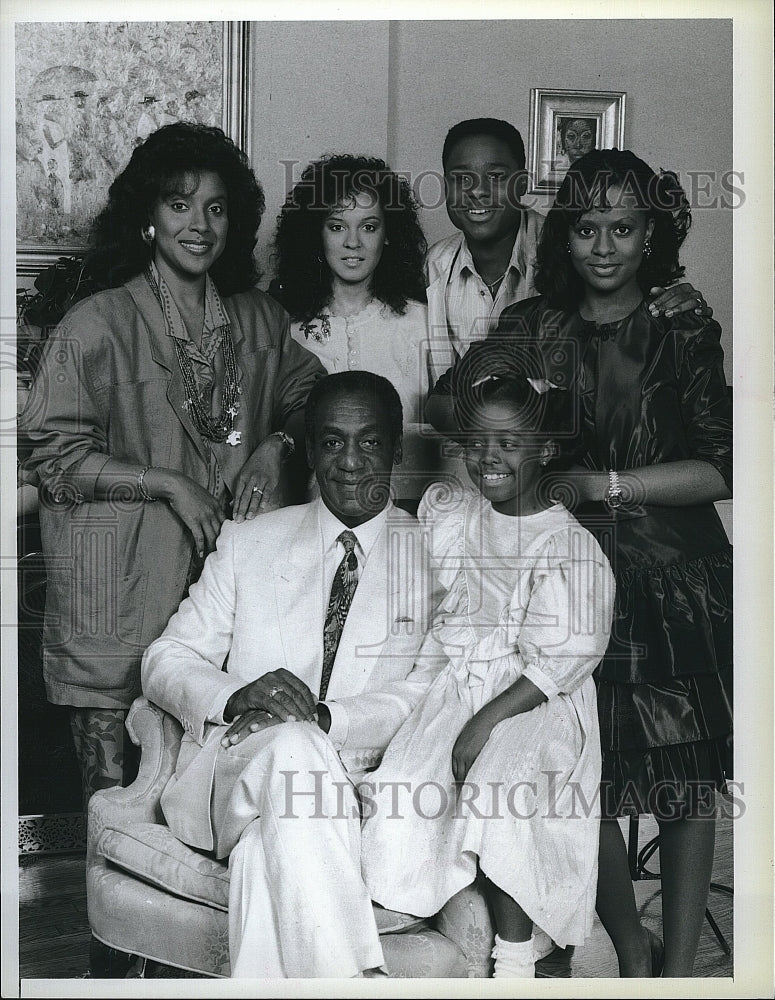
(606, 245)
(504, 457)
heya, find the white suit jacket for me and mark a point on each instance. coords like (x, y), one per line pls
(261, 601)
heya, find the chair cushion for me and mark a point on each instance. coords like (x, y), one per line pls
(393, 922)
(152, 853)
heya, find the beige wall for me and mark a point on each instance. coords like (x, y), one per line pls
(392, 89)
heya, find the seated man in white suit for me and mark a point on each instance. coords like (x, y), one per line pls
(290, 665)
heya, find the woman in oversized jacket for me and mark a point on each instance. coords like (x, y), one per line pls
(162, 405)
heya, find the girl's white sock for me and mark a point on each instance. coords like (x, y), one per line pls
(514, 959)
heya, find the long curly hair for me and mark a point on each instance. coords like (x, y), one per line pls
(305, 280)
(584, 188)
(171, 158)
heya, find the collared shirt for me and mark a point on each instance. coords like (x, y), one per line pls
(332, 551)
(471, 308)
(206, 357)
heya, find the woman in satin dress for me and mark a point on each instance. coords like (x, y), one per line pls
(654, 418)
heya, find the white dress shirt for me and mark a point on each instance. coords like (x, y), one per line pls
(461, 308)
(331, 528)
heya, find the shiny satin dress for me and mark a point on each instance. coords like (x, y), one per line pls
(649, 391)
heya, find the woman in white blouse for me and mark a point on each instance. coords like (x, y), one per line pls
(350, 254)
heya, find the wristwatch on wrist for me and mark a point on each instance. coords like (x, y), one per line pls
(613, 497)
(287, 440)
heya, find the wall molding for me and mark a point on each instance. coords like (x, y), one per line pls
(237, 83)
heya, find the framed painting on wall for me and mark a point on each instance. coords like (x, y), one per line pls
(566, 124)
(88, 92)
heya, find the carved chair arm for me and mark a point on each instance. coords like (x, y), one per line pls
(158, 735)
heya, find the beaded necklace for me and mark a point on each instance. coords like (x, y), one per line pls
(221, 427)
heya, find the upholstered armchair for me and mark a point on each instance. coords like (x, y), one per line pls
(150, 895)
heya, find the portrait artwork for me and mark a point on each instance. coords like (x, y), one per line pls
(566, 124)
(573, 138)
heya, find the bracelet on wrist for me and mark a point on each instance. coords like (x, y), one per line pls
(141, 486)
(287, 440)
(613, 497)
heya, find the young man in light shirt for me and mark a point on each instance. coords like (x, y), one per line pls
(489, 263)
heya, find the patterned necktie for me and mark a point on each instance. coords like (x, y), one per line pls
(342, 590)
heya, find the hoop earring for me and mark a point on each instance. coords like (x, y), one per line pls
(148, 235)
(647, 248)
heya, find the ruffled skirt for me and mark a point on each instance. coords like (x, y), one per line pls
(664, 688)
(527, 815)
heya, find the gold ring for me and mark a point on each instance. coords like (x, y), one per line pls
(257, 490)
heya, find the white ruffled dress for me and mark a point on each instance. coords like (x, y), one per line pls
(528, 596)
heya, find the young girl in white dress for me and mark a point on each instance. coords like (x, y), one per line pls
(497, 768)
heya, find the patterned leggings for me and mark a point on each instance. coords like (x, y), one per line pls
(100, 746)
